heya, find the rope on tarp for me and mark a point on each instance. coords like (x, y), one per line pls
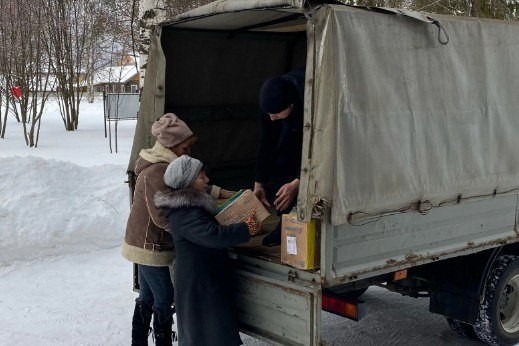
(307, 10)
(440, 30)
(416, 16)
(361, 218)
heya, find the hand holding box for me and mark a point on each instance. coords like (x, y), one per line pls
(239, 207)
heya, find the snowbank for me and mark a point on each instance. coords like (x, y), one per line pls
(50, 207)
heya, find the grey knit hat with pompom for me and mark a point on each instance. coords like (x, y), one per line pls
(182, 172)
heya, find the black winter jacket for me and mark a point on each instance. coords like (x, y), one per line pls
(279, 155)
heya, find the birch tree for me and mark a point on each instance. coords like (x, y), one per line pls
(151, 12)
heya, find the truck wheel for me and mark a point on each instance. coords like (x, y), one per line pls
(462, 329)
(498, 321)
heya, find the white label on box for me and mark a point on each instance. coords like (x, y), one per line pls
(291, 245)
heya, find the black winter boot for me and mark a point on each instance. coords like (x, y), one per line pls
(141, 324)
(162, 328)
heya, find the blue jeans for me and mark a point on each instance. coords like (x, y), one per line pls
(156, 290)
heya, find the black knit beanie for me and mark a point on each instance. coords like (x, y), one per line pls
(277, 93)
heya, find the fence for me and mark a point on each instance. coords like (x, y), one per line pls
(119, 106)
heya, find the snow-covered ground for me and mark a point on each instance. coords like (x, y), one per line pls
(63, 210)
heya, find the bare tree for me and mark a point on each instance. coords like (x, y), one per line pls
(28, 67)
(6, 64)
(70, 40)
(86, 35)
(74, 28)
(114, 37)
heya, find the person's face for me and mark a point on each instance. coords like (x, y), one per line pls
(283, 114)
(183, 148)
(200, 183)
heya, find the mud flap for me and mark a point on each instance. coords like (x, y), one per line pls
(278, 306)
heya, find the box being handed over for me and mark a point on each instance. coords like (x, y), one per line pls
(239, 206)
(300, 242)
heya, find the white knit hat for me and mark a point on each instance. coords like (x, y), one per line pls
(182, 172)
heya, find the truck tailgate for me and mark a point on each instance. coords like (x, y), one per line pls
(277, 303)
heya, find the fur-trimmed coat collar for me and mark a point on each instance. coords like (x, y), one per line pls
(186, 198)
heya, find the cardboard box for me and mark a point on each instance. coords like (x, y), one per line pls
(300, 242)
(239, 206)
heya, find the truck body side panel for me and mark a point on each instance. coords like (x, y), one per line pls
(385, 244)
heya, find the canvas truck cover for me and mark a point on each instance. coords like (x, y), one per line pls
(397, 118)
(392, 116)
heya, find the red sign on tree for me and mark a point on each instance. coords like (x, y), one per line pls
(16, 91)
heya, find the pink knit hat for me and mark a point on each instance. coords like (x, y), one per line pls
(170, 130)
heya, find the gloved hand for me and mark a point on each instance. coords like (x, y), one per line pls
(225, 194)
(253, 224)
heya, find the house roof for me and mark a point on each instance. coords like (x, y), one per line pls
(115, 74)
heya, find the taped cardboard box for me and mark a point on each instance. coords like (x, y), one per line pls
(239, 206)
(300, 242)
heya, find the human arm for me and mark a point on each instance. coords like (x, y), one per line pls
(217, 192)
(270, 132)
(153, 182)
(259, 191)
(226, 194)
(286, 195)
(200, 227)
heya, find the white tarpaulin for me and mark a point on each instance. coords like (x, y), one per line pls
(399, 118)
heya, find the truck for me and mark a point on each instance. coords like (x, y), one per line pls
(409, 163)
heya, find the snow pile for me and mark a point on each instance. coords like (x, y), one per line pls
(50, 207)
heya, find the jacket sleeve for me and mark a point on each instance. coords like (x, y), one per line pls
(214, 191)
(270, 133)
(201, 228)
(154, 182)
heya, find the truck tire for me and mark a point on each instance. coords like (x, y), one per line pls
(498, 321)
(462, 329)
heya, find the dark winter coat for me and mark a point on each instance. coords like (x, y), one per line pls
(203, 295)
(281, 141)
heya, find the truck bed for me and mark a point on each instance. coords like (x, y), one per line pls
(254, 248)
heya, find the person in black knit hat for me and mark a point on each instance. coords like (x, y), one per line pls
(278, 163)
